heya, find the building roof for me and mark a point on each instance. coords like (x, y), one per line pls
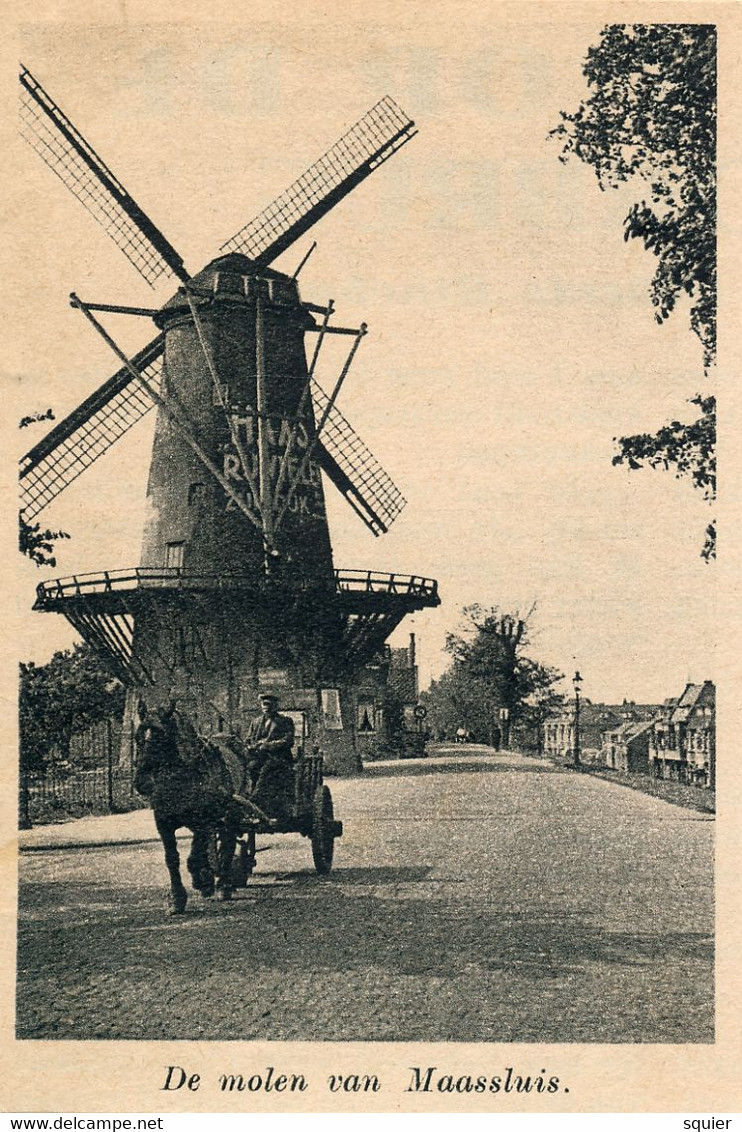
(631, 729)
(689, 697)
(602, 716)
(691, 692)
(403, 682)
(620, 719)
(641, 711)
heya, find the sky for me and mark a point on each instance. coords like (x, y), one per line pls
(511, 335)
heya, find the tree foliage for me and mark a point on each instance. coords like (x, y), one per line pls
(35, 542)
(34, 418)
(73, 691)
(650, 118)
(490, 670)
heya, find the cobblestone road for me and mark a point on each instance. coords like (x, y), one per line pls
(475, 897)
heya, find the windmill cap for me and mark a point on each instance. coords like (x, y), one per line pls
(234, 278)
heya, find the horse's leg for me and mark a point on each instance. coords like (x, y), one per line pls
(199, 865)
(227, 843)
(178, 894)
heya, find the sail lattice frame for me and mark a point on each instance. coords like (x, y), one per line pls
(88, 432)
(373, 139)
(65, 151)
(354, 469)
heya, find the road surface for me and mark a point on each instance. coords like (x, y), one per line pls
(475, 897)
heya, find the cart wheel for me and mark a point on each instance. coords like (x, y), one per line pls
(323, 830)
(243, 862)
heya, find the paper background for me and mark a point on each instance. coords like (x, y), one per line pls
(106, 1076)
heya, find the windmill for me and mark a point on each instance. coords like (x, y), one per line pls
(236, 589)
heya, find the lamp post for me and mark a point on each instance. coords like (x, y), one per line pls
(576, 681)
(505, 728)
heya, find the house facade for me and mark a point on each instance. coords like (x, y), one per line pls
(683, 741)
(626, 748)
(675, 740)
(596, 721)
(559, 730)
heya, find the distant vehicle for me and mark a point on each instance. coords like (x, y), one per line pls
(463, 735)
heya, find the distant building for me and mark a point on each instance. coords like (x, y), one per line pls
(595, 721)
(664, 755)
(559, 730)
(626, 748)
(700, 738)
(403, 681)
(385, 697)
(675, 740)
(683, 741)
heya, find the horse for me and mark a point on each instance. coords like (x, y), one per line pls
(188, 785)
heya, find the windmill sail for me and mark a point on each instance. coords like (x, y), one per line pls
(88, 432)
(51, 134)
(354, 469)
(375, 137)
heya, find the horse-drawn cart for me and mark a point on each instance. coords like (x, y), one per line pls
(312, 815)
(206, 785)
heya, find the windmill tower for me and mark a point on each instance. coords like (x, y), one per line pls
(236, 590)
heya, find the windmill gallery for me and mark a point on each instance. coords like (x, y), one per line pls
(236, 592)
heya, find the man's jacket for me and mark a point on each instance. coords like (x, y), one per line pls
(275, 736)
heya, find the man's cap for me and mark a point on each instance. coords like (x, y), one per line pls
(268, 696)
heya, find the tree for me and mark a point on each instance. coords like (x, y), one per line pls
(651, 117)
(542, 701)
(490, 671)
(35, 542)
(457, 700)
(73, 691)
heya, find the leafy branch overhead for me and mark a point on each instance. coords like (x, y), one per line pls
(34, 418)
(651, 117)
(38, 544)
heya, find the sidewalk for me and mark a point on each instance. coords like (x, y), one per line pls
(89, 832)
(676, 793)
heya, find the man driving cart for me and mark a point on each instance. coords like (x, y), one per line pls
(268, 744)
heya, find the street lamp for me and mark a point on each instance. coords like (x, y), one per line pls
(576, 681)
(505, 729)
